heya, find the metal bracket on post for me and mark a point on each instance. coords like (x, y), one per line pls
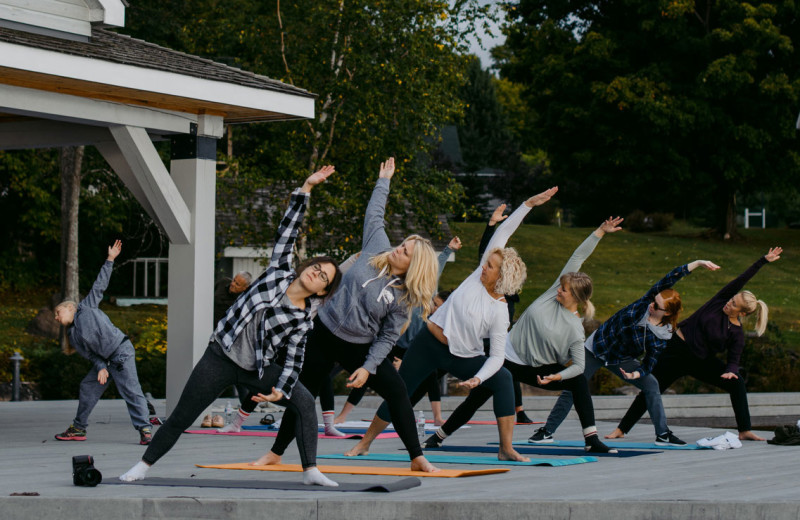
(193, 147)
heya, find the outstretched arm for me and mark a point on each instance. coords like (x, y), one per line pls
(95, 296)
(507, 228)
(738, 283)
(375, 239)
(289, 227)
(585, 250)
(676, 274)
(496, 218)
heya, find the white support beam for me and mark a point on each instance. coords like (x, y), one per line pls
(23, 135)
(135, 159)
(52, 105)
(191, 276)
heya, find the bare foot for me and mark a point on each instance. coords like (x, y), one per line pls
(616, 434)
(511, 454)
(358, 449)
(340, 419)
(267, 460)
(749, 436)
(421, 464)
(438, 422)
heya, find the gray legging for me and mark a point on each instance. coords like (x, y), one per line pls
(212, 374)
(647, 384)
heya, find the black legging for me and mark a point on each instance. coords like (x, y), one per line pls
(323, 350)
(676, 361)
(527, 374)
(427, 354)
(213, 373)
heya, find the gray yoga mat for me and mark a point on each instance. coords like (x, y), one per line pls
(387, 487)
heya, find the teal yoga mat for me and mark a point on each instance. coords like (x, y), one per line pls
(455, 459)
(533, 449)
(610, 444)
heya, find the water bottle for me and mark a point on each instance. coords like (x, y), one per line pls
(421, 424)
(228, 412)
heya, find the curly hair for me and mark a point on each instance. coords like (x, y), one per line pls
(512, 271)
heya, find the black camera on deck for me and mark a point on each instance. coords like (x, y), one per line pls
(84, 472)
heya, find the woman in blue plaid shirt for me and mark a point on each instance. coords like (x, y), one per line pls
(260, 344)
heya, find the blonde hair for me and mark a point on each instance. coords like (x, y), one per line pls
(67, 303)
(752, 304)
(512, 271)
(581, 288)
(421, 278)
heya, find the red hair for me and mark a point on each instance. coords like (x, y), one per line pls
(672, 307)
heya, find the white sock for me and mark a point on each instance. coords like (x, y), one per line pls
(135, 473)
(314, 477)
(236, 423)
(441, 434)
(330, 429)
(591, 430)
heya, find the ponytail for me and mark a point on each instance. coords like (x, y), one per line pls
(750, 305)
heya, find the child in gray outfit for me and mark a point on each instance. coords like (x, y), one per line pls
(94, 337)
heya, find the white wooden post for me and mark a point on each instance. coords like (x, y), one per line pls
(748, 214)
(191, 265)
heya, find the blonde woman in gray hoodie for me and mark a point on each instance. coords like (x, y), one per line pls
(360, 324)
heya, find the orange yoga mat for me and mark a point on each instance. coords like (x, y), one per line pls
(360, 470)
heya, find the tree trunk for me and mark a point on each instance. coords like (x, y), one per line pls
(730, 216)
(70, 167)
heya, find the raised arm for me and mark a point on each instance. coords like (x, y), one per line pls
(100, 285)
(497, 217)
(676, 274)
(507, 228)
(738, 283)
(289, 226)
(453, 245)
(375, 239)
(585, 250)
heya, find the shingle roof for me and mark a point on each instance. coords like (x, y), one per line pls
(109, 46)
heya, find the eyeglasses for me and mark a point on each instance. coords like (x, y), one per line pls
(656, 307)
(322, 274)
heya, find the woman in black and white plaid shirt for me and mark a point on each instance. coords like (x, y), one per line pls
(260, 344)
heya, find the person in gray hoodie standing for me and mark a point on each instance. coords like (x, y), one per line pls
(361, 323)
(94, 337)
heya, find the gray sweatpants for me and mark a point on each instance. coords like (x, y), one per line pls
(122, 369)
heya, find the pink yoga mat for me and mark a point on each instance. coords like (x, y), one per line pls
(251, 433)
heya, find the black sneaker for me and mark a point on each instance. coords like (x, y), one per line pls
(542, 436)
(72, 434)
(145, 436)
(522, 418)
(434, 441)
(669, 439)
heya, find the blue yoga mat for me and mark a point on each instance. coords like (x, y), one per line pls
(610, 444)
(455, 459)
(536, 450)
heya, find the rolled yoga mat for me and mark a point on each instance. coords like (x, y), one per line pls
(361, 470)
(455, 459)
(388, 487)
(536, 450)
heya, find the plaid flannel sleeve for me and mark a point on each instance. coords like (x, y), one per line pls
(288, 231)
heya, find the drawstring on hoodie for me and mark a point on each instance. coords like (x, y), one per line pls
(387, 296)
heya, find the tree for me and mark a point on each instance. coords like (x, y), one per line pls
(387, 75)
(662, 105)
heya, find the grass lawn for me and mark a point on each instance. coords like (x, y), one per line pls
(625, 265)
